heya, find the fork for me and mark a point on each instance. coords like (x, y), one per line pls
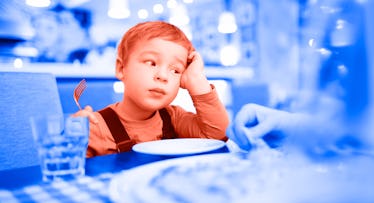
(78, 92)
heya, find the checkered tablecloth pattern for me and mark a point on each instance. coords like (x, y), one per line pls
(86, 189)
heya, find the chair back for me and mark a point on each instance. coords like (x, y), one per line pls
(23, 95)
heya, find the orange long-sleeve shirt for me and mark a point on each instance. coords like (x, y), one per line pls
(210, 121)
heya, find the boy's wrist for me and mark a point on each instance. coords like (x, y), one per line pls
(199, 86)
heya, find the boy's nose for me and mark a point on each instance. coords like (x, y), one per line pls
(161, 74)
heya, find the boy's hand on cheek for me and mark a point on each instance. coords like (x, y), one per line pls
(193, 78)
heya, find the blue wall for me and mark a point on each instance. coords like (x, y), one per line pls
(98, 94)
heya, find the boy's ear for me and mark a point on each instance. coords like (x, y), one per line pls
(119, 69)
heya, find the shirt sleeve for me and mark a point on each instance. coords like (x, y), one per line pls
(210, 121)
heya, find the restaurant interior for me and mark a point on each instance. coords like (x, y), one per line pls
(295, 55)
(256, 52)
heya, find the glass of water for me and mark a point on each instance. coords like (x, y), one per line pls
(62, 143)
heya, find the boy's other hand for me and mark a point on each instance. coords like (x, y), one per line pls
(87, 111)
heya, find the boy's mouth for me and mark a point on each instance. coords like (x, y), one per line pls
(157, 91)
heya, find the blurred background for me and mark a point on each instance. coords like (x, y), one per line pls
(297, 55)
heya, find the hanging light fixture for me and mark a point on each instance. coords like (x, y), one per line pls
(229, 55)
(179, 17)
(118, 9)
(158, 8)
(38, 3)
(143, 14)
(227, 21)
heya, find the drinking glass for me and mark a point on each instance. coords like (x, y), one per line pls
(62, 143)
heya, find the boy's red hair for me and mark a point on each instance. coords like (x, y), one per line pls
(147, 31)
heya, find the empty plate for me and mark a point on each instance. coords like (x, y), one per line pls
(180, 146)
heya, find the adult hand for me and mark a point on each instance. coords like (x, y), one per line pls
(253, 121)
(88, 112)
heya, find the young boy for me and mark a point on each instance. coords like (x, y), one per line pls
(155, 59)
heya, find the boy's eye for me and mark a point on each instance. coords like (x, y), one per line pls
(175, 70)
(150, 63)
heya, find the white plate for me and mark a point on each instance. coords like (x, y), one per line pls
(261, 177)
(137, 184)
(181, 146)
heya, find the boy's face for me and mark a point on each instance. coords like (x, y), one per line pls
(152, 74)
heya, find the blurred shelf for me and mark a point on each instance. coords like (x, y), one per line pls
(61, 70)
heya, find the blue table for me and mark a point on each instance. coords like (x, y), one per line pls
(15, 178)
(347, 178)
(26, 185)
(20, 177)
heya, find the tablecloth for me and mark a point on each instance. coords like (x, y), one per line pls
(85, 189)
